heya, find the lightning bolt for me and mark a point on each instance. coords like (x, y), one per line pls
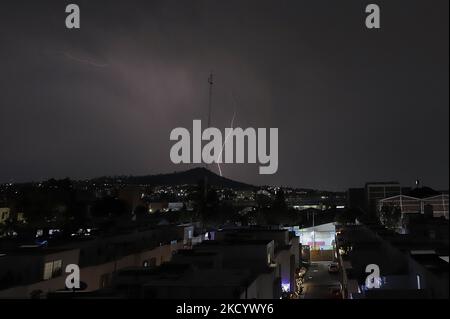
(84, 61)
(226, 137)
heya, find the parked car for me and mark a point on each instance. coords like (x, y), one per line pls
(333, 268)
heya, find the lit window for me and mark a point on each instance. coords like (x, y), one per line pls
(52, 269)
(48, 270)
(57, 268)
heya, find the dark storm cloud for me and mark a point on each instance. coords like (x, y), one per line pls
(351, 105)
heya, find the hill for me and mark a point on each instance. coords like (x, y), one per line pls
(190, 177)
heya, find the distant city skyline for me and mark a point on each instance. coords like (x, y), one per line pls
(351, 105)
(415, 185)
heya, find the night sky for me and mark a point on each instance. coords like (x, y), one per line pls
(352, 105)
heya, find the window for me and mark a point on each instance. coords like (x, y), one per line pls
(57, 268)
(52, 269)
(48, 270)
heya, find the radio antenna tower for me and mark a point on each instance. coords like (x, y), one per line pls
(211, 83)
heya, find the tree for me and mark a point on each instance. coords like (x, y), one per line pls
(206, 202)
(262, 200)
(141, 212)
(390, 216)
(109, 207)
(279, 202)
(348, 215)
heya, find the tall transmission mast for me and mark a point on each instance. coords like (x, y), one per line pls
(211, 83)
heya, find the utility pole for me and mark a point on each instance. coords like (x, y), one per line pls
(314, 232)
(211, 83)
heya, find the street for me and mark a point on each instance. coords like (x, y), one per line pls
(318, 282)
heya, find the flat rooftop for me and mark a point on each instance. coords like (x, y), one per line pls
(235, 242)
